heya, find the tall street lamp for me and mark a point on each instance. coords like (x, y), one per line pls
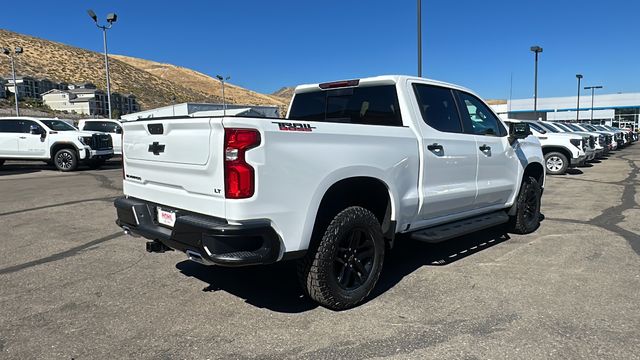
(536, 49)
(111, 18)
(224, 100)
(419, 38)
(592, 88)
(18, 50)
(579, 77)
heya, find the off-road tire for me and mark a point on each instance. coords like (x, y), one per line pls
(317, 271)
(527, 217)
(66, 160)
(556, 158)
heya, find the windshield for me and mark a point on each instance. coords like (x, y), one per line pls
(548, 127)
(589, 127)
(58, 125)
(536, 127)
(573, 127)
(563, 127)
(599, 127)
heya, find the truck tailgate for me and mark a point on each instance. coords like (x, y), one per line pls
(177, 163)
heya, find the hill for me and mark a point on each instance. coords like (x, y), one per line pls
(285, 93)
(200, 82)
(154, 84)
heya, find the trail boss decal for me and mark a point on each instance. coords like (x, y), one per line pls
(284, 126)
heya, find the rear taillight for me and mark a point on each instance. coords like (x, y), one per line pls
(239, 177)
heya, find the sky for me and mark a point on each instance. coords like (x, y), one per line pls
(265, 45)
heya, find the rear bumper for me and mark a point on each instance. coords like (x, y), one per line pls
(205, 239)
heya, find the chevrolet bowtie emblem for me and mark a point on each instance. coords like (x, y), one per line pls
(156, 148)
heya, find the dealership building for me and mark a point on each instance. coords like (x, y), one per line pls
(620, 110)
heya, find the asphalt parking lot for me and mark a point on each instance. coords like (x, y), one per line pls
(74, 287)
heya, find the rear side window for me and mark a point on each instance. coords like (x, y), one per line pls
(372, 105)
(438, 108)
(10, 126)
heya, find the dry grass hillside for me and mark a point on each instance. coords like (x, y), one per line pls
(154, 84)
(285, 93)
(201, 82)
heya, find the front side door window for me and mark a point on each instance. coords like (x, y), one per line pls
(497, 164)
(481, 119)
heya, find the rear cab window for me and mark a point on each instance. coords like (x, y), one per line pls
(103, 126)
(366, 105)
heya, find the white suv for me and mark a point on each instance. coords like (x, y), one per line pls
(111, 127)
(53, 141)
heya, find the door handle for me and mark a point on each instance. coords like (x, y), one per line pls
(485, 148)
(435, 147)
(23, 137)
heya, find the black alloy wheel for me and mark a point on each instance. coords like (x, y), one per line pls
(354, 259)
(344, 262)
(527, 216)
(66, 160)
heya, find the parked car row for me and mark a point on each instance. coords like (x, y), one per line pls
(59, 143)
(567, 145)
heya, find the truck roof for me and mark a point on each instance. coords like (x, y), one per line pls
(384, 80)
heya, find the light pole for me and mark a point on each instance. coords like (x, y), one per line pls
(419, 38)
(579, 77)
(224, 100)
(18, 50)
(593, 89)
(111, 18)
(536, 49)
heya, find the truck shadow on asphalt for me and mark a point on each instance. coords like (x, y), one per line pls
(573, 172)
(275, 287)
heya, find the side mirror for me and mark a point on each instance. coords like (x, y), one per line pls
(118, 130)
(519, 130)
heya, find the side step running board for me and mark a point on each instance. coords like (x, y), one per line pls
(461, 227)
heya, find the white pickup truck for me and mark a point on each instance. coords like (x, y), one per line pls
(354, 164)
(107, 126)
(53, 141)
(561, 150)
